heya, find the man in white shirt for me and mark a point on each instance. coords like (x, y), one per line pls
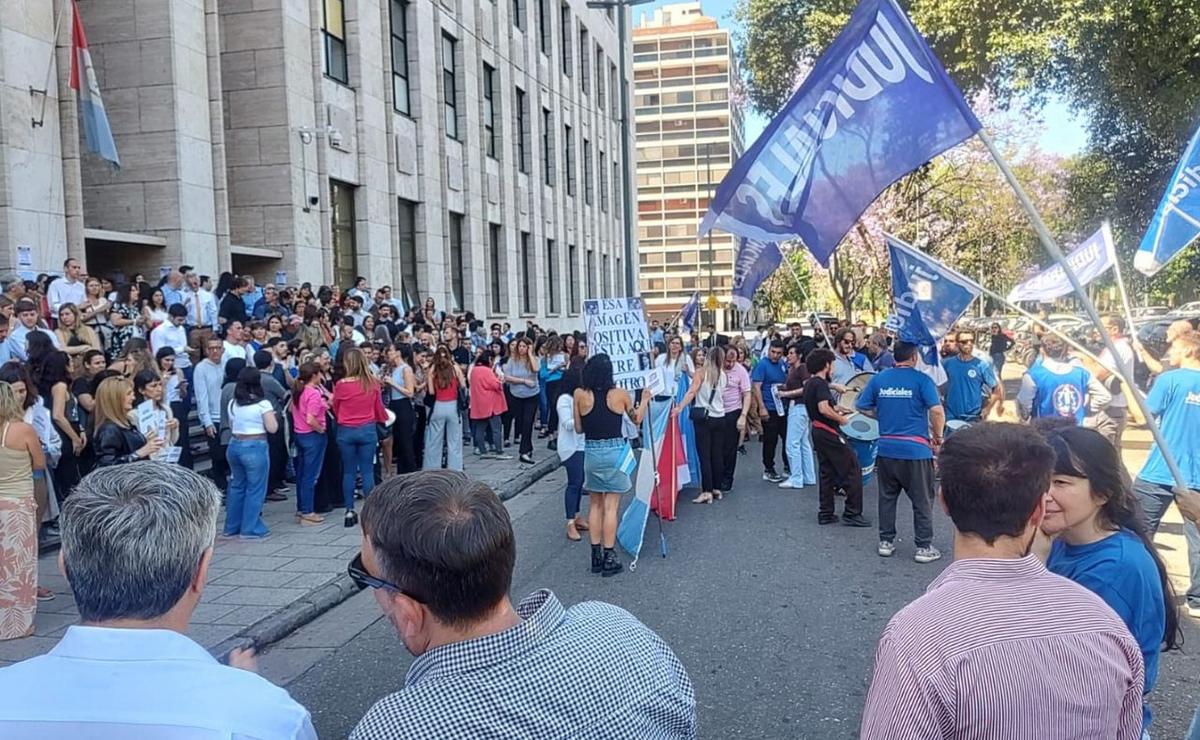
(235, 343)
(26, 313)
(171, 333)
(137, 542)
(200, 304)
(68, 288)
(1110, 421)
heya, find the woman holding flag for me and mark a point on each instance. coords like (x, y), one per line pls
(608, 460)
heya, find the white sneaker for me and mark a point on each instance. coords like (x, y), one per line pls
(927, 554)
(789, 484)
(1193, 611)
(886, 549)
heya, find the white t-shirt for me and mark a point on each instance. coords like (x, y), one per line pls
(1125, 353)
(671, 373)
(248, 419)
(714, 402)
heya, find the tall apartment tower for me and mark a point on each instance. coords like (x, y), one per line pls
(689, 133)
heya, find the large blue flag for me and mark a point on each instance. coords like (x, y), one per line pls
(691, 309)
(1088, 261)
(929, 297)
(1176, 223)
(876, 106)
(754, 263)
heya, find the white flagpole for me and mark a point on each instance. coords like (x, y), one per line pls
(1121, 288)
(1056, 253)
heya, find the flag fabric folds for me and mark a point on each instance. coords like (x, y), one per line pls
(672, 470)
(1088, 261)
(755, 262)
(632, 528)
(876, 106)
(691, 309)
(1176, 223)
(929, 297)
(96, 130)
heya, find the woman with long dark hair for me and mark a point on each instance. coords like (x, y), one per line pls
(1095, 534)
(251, 419)
(487, 405)
(443, 432)
(52, 376)
(600, 408)
(358, 407)
(224, 283)
(126, 319)
(310, 409)
(149, 387)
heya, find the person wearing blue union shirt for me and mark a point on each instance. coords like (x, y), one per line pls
(968, 381)
(906, 403)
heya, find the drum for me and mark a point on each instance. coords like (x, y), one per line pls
(863, 434)
(954, 425)
(854, 386)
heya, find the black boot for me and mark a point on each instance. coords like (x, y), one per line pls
(612, 566)
(597, 559)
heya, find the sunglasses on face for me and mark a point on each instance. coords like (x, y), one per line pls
(358, 573)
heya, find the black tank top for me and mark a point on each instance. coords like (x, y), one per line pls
(601, 422)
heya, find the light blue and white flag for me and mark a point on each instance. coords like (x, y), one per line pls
(1088, 261)
(691, 309)
(755, 262)
(1176, 223)
(876, 106)
(96, 131)
(929, 297)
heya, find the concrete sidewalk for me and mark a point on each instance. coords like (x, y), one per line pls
(258, 592)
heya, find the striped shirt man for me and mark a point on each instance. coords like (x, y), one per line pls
(1002, 648)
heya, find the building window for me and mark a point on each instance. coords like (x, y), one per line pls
(527, 275)
(614, 87)
(590, 273)
(489, 110)
(450, 85)
(547, 147)
(588, 189)
(585, 60)
(605, 277)
(544, 25)
(496, 276)
(616, 185)
(410, 286)
(569, 149)
(572, 279)
(551, 278)
(400, 56)
(564, 29)
(518, 14)
(457, 298)
(333, 30)
(345, 254)
(603, 183)
(599, 77)
(522, 108)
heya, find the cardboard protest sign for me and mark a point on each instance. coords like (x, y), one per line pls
(617, 327)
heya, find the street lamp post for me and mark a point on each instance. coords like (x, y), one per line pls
(621, 6)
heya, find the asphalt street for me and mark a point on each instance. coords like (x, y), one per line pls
(775, 617)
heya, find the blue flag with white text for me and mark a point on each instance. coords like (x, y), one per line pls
(876, 106)
(1088, 261)
(691, 309)
(754, 263)
(1176, 223)
(929, 297)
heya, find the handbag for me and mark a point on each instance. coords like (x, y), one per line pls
(697, 413)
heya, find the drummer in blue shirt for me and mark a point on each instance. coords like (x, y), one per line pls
(905, 402)
(968, 380)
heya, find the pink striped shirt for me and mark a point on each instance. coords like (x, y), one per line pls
(999, 649)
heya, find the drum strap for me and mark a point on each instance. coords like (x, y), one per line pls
(817, 424)
(907, 438)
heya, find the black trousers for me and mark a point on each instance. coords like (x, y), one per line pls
(552, 389)
(219, 472)
(402, 435)
(914, 477)
(277, 450)
(180, 410)
(710, 436)
(774, 436)
(729, 448)
(839, 468)
(507, 418)
(523, 411)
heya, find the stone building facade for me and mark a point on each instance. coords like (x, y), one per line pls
(467, 150)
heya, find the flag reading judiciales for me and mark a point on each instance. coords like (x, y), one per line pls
(1088, 261)
(876, 106)
(1176, 223)
(755, 262)
(929, 297)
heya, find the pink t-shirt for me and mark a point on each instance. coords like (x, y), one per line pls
(311, 402)
(736, 387)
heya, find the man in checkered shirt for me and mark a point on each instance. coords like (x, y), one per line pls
(438, 551)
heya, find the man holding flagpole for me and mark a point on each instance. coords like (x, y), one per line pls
(1055, 386)
(1111, 420)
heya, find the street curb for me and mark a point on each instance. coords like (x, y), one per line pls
(288, 619)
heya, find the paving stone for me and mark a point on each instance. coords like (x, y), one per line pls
(210, 635)
(312, 551)
(288, 664)
(311, 581)
(250, 562)
(27, 647)
(254, 596)
(314, 565)
(260, 578)
(244, 616)
(210, 612)
(46, 624)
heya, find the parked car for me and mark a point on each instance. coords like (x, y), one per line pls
(1146, 312)
(1189, 309)
(1153, 333)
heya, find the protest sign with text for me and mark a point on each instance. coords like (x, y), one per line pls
(617, 327)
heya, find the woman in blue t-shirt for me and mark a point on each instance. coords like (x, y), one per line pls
(1096, 536)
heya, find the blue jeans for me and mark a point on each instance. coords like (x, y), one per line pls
(574, 492)
(357, 446)
(1155, 499)
(798, 445)
(310, 457)
(248, 466)
(482, 430)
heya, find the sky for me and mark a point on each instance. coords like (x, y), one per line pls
(1064, 133)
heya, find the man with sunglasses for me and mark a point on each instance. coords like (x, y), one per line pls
(438, 551)
(847, 360)
(968, 381)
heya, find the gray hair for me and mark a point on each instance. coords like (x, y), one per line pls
(132, 538)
